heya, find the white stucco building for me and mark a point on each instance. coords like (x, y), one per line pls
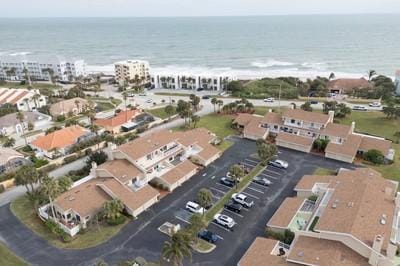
(131, 70)
(13, 68)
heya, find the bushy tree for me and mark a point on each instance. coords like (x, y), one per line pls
(266, 151)
(306, 107)
(27, 176)
(374, 156)
(169, 110)
(320, 144)
(204, 198)
(237, 173)
(98, 157)
(112, 209)
(178, 248)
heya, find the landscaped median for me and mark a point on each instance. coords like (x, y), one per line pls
(219, 205)
(9, 258)
(23, 209)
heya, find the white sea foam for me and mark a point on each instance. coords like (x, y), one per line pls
(187, 70)
(271, 63)
(19, 53)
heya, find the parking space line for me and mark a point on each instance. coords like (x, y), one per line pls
(216, 197)
(249, 160)
(272, 171)
(261, 186)
(235, 213)
(181, 219)
(256, 190)
(220, 237)
(220, 191)
(270, 176)
(224, 186)
(250, 195)
(247, 164)
(220, 226)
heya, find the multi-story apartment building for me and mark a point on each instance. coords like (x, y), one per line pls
(132, 71)
(298, 129)
(397, 82)
(190, 81)
(163, 158)
(20, 68)
(352, 218)
(23, 99)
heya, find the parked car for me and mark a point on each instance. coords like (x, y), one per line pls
(375, 104)
(279, 163)
(227, 182)
(194, 207)
(262, 181)
(142, 94)
(242, 200)
(269, 100)
(200, 89)
(206, 97)
(149, 101)
(232, 206)
(313, 102)
(224, 220)
(359, 108)
(206, 207)
(208, 236)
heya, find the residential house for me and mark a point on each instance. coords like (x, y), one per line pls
(352, 220)
(74, 106)
(163, 157)
(298, 129)
(136, 71)
(347, 86)
(60, 141)
(23, 99)
(116, 123)
(10, 160)
(10, 124)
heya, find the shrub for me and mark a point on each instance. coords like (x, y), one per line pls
(70, 159)
(2, 188)
(320, 144)
(313, 198)
(374, 156)
(48, 168)
(286, 237)
(38, 162)
(27, 148)
(60, 118)
(7, 176)
(119, 220)
(66, 238)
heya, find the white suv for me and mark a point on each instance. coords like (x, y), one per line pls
(194, 207)
(224, 220)
(242, 200)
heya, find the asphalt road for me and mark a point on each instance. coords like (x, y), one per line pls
(141, 237)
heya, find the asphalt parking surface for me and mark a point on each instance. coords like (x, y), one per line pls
(141, 237)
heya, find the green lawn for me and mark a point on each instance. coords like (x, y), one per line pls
(8, 258)
(324, 171)
(218, 124)
(23, 210)
(104, 106)
(172, 93)
(159, 112)
(36, 85)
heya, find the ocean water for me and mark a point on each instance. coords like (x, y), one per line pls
(246, 47)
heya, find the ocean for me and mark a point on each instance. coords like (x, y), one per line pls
(246, 47)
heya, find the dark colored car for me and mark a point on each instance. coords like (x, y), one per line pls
(313, 102)
(227, 182)
(205, 97)
(208, 236)
(232, 206)
(200, 89)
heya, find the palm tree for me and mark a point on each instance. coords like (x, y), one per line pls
(237, 173)
(371, 73)
(77, 104)
(204, 198)
(331, 76)
(195, 120)
(9, 142)
(220, 103)
(27, 76)
(21, 118)
(51, 189)
(35, 99)
(97, 86)
(175, 250)
(169, 110)
(214, 101)
(90, 111)
(113, 209)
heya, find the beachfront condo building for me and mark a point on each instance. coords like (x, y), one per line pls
(190, 81)
(397, 82)
(351, 218)
(17, 68)
(132, 71)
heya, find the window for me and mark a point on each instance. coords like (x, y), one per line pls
(292, 121)
(87, 218)
(148, 157)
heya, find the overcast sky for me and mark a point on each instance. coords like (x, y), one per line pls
(145, 8)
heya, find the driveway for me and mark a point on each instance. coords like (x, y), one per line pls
(141, 237)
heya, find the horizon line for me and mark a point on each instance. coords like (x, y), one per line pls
(206, 16)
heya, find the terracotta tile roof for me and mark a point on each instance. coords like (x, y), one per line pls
(369, 143)
(85, 199)
(60, 139)
(308, 181)
(315, 251)
(336, 130)
(10, 94)
(362, 197)
(132, 199)
(178, 172)
(144, 145)
(254, 129)
(259, 254)
(243, 119)
(285, 213)
(296, 139)
(348, 84)
(272, 118)
(306, 116)
(67, 106)
(348, 148)
(19, 97)
(121, 169)
(118, 120)
(7, 154)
